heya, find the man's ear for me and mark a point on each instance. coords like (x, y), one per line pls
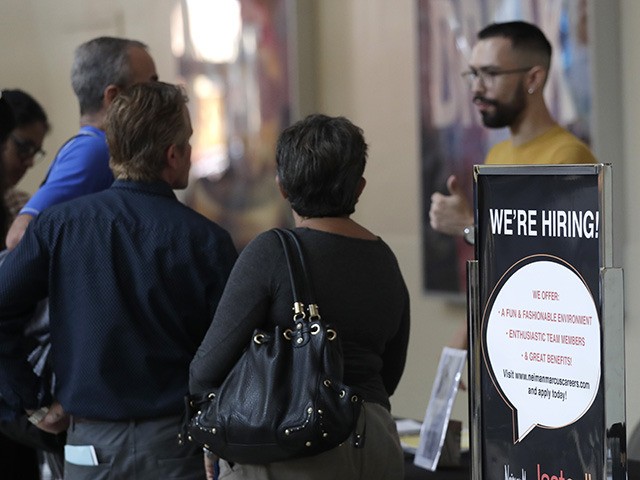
(536, 79)
(109, 94)
(282, 192)
(172, 160)
(172, 170)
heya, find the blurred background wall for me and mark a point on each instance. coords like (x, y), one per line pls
(358, 58)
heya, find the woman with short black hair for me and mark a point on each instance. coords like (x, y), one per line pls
(358, 286)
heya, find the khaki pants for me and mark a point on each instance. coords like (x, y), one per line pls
(135, 450)
(381, 458)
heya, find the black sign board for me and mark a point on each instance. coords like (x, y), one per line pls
(542, 340)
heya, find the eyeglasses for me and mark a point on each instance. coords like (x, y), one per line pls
(27, 149)
(488, 75)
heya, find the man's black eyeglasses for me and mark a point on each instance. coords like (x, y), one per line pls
(27, 149)
(487, 75)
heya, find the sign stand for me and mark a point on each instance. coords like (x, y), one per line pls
(546, 329)
(436, 419)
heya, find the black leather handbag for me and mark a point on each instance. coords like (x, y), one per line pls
(285, 397)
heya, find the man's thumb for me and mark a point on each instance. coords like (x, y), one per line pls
(453, 186)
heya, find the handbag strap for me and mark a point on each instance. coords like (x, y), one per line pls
(288, 237)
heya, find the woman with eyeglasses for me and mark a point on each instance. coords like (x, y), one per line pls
(7, 122)
(23, 126)
(17, 460)
(23, 148)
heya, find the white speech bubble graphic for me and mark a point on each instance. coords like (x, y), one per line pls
(543, 345)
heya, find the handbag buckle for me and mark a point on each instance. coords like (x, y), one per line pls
(314, 312)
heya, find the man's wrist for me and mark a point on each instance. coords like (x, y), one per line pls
(469, 234)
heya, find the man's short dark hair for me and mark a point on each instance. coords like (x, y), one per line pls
(524, 37)
(320, 161)
(97, 64)
(26, 109)
(141, 123)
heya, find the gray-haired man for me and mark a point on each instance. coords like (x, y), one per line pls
(101, 69)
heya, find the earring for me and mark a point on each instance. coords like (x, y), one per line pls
(531, 90)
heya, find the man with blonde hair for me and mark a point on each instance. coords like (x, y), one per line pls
(133, 277)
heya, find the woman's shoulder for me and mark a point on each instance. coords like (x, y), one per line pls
(267, 245)
(263, 246)
(267, 238)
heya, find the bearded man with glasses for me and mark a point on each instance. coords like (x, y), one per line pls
(508, 69)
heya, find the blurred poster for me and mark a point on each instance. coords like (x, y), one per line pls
(453, 138)
(234, 61)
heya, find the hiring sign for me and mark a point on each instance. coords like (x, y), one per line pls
(540, 408)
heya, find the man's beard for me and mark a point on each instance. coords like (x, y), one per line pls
(504, 114)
